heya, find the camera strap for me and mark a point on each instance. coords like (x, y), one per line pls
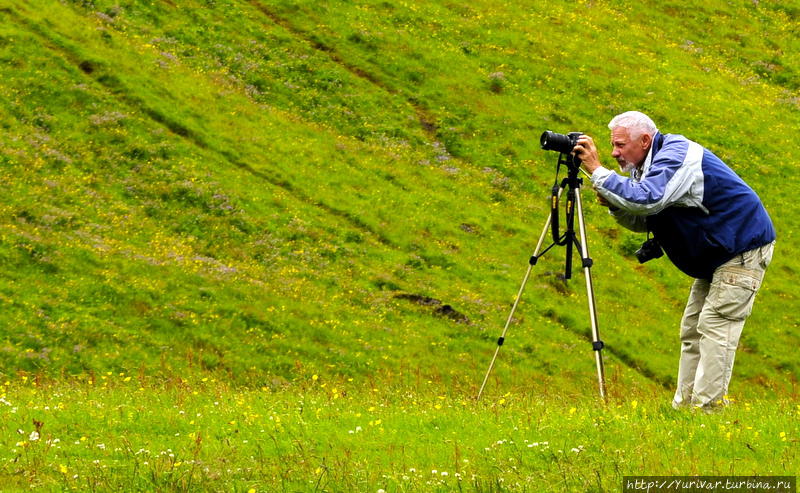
(554, 214)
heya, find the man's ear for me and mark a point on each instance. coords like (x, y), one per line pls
(647, 139)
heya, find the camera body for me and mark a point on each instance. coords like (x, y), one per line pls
(649, 250)
(552, 141)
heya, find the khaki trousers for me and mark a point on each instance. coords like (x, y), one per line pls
(712, 324)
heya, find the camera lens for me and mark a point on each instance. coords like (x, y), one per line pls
(552, 141)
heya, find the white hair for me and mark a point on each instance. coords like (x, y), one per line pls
(636, 122)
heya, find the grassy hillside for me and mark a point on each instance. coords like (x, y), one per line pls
(269, 245)
(272, 190)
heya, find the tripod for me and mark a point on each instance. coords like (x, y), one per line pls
(572, 184)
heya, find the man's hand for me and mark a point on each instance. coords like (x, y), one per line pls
(587, 153)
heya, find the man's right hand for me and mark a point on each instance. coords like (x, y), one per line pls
(587, 153)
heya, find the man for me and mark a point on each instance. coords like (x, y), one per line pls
(711, 225)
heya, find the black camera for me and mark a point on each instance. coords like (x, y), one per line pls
(649, 250)
(552, 141)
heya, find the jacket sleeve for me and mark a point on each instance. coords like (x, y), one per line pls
(630, 221)
(675, 177)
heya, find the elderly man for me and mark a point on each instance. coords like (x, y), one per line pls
(711, 225)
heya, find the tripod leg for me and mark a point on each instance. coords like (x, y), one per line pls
(532, 262)
(597, 344)
(505, 329)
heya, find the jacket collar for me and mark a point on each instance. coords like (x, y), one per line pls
(658, 141)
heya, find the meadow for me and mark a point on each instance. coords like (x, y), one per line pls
(123, 433)
(269, 245)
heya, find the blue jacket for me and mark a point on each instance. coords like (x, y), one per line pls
(700, 211)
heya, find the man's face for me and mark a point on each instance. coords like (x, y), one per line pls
(629, 153)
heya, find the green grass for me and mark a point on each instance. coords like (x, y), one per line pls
(118, 432)
(254, 193)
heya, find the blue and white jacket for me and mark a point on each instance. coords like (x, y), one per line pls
(700, 211)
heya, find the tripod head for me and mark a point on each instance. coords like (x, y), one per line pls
(573, 164)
